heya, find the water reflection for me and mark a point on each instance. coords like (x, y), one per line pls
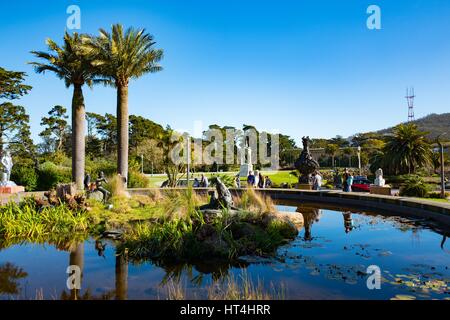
(10, 275)
(310, 216)
(348, 221)
(321, 260)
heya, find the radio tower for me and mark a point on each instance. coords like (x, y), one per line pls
(410, 98)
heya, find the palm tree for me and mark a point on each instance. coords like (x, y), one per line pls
(331, 150)
(122, 56)
(406, 150)
(72, 65)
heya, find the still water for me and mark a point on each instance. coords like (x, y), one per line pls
(328, 260)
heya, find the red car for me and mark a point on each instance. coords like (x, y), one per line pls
(361, 184)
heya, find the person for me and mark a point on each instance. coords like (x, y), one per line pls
(349, 182)
(204, 183)
(196, 183)
(256, 182)
(337, 180)
(344, 180)
(267, 182)
(317, 181)
(250, 179)
(261, 181)
(237, 181)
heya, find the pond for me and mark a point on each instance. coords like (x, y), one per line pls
(328, 260)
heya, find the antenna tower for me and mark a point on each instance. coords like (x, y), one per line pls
(410, 99)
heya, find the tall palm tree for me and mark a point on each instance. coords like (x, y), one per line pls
(406, 150)
(72, 65)
(331, 149)
(121, 56)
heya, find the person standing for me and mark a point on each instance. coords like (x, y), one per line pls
(344, 180)
(261, 181)
(204, 183)
(317, 181)
(237, 181)
(256, 182)
(250, 180)
(349, 182)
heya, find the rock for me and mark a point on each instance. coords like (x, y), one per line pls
(96, 195)
(243, 230)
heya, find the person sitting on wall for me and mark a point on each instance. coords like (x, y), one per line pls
(204, 183)
(99, 185)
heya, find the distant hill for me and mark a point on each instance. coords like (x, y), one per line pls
(434, 123)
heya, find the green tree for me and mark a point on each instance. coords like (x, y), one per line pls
(331, 150)
(71, 64)
(55, 127)
(123, 55)
(142, 129)
(11, 86)
(406, 150)
(15, 132)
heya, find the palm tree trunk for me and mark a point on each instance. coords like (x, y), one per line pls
(122, 131)
(78, 143)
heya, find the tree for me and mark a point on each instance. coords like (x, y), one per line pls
(348, 151)
(11, 86)
(71, 64)
(55, 127)
(107, 129)
(331, 150)
(122, 56)
(15, 131)
(406, 150)
(142, 129)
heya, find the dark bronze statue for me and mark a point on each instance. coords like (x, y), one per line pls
(305, 164)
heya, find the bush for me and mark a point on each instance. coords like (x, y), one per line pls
(49, 175)
(137, 180)
(437, 195)
(25, 176)
(415, 186)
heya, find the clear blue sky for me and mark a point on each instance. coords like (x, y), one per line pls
(300, 67)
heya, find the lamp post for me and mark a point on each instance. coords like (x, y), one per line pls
(359, 159)
(188, 157)
(142, 163)
(441, 147)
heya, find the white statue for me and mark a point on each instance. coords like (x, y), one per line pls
(379, 181)
(7, 165)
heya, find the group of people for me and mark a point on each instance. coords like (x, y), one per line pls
(347, 180)
(202, 183)
(255, 180)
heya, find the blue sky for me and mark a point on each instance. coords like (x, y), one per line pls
(299, 67)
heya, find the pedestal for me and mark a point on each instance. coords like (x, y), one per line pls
(303, 186)
(385, 191)
(11, 189)
(245, 170)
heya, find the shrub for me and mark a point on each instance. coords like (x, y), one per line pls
(437, 195)
(415, 186)
(49, 175)
(137, 180)
(25, 176)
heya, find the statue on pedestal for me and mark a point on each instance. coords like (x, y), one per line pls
(305, 164)
(7, 164)
(379, 181)
(246, 161)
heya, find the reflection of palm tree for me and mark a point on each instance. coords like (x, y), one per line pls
(77, 258)
(9, 276)
(348, 221)
(310, 216)
(121, 276)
